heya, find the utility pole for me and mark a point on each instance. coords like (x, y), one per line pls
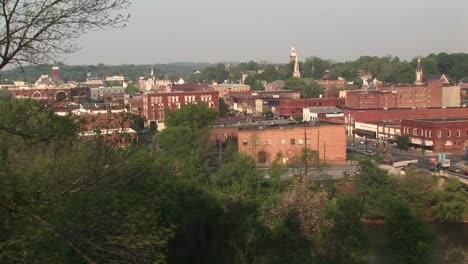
(324, 151)
(220, 156)
(305, 152)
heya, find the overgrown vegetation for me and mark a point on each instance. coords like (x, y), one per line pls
(65, 200)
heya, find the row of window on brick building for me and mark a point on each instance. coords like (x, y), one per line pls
(283, 142)
(428, 133)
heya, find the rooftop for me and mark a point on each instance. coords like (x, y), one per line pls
(440, 120)
(285, 125)
(324, 110)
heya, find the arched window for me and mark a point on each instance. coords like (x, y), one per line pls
(37, 95)
(60, 96)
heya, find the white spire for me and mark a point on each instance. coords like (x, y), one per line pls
(297, 72)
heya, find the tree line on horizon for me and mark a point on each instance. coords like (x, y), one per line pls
(388, 69)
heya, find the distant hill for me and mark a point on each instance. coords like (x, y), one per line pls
(31, 73)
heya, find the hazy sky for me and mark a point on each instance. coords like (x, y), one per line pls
(162, 31)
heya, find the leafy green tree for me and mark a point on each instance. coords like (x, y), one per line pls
(418, 188)
(5, 95)
(345, 238)
(314, 67)
(131, 88)
(223, 108)
(410, 238)
(403, 142)
(113, 83)
(309, 88)
(374, 186)
(451, 202)
(195, 116)
(254, 82)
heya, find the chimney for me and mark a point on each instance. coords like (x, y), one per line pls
(55, 73)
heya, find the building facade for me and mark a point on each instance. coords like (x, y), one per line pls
(155, 104)
(293, 108)
(390, 116)
(101, 92)
(434, 93)
(437, 134)
(265, 144)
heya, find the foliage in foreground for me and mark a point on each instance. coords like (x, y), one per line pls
(64, 200)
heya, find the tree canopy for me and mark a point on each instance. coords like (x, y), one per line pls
(194, 116)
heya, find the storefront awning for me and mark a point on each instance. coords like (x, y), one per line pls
(362, 132)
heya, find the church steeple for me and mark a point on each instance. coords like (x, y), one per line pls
(293, 57)
(419, 74)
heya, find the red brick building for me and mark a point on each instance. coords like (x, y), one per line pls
(375, 115)
(155, 104)
(434, 93)
(190, 87)
(275, 86)
(265, 143)
(371, 99)
(293, 107)
(52, 94)
(437, 134)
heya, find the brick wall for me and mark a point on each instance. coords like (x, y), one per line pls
(328, 140)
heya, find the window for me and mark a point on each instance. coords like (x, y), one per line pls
(415, 131)
(449, 133)
(262, 156)
(283, 142)
(439, 134)
(458, 133)
(293, 141)
(430, 134)
(309, 141)
(268, 141)
(300, 141)
(245, 142)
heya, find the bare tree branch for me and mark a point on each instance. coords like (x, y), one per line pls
(37, 31)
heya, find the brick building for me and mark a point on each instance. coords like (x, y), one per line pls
(52, 94)
(293, 107)
(437, 134)
(190, 87)
(434, 93)
(371, 99)
(155, 104)
(265, 143)
(275, 86)
(352, 116)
